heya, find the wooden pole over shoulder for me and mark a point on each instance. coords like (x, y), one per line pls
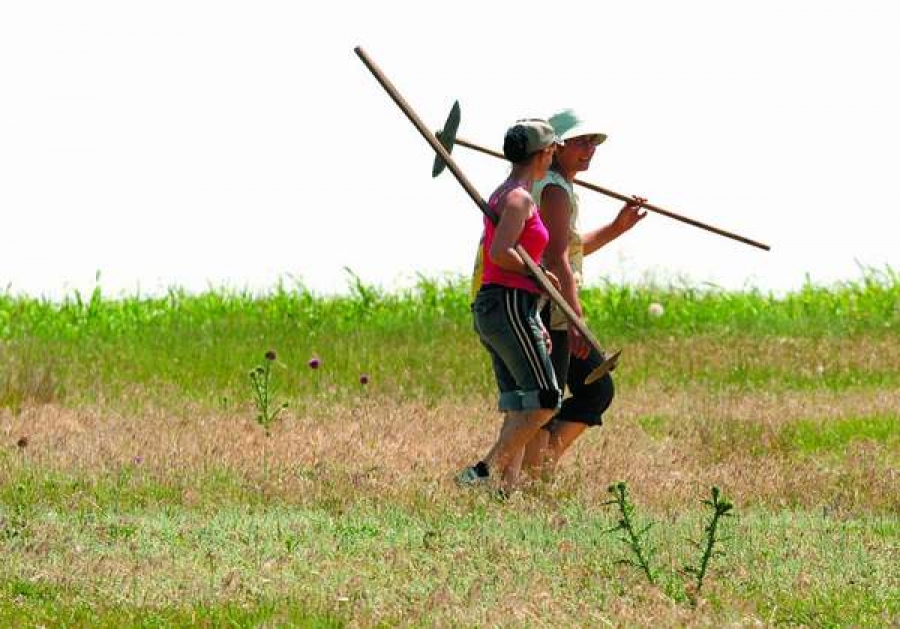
(536, 270)
(622, 197)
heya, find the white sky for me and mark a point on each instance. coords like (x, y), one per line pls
(229, 144)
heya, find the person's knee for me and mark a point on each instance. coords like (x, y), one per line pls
(527, 401)
(549, 399)
(542, 415)
(588, 402)
(535, 419)
(540, 400)
(597, 395)
(601, 391)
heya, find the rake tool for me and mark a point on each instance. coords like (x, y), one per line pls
(533, 267)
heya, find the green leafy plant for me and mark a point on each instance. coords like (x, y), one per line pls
(633, 538)
(721, 508)
(636, 538)
(263, 392)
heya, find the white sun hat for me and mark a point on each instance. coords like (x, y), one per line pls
(568, 125)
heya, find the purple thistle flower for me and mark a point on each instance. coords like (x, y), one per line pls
(270, 355)
(364, 379)
(314, 362)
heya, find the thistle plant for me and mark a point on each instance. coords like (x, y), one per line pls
(636, 539)
(721, 508)
(633, 538)
(263, 392)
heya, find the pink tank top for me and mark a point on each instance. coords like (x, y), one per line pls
(534, 238)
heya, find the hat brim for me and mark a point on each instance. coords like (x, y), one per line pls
(557, 141)
(597, 138)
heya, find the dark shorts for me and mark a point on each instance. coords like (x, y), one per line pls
(506, 320)
(586, 402)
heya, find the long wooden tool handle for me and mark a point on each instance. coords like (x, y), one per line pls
(622, 197)
(428, 135)
(537, 271)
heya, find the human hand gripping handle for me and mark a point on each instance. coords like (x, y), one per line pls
(621, 197)
(550, 276)
(547, 286)
(578, 345)
(630, 214)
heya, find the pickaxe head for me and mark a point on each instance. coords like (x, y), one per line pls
(604, 368)
(447, 138)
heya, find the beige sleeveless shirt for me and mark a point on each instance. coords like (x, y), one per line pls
(558, 320)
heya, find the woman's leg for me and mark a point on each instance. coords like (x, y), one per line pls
(536, 452)
(583, 409)
(546, 448)
(529, 395)
(564, 435)
(540, 458)
(519, 429)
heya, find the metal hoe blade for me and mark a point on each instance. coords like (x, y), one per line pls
(605, 367)
(447, 138)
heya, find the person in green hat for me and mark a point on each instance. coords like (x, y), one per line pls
(572, 355)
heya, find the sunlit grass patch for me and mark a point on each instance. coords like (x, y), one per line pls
(41, 605)
(734, 439)
(830, 607)
(749, 363)
(813, 569)
(777, 376)
(31, 590)
(806, 435)
(28, 375)
(654, 425)
(418, 343)
(467, 560)
(868, 305)
(27, 488)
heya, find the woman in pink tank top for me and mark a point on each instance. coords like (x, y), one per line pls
(506, 306)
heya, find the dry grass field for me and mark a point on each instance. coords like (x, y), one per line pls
(136, 500)
(350, 513)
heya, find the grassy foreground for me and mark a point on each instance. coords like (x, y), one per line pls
(136, 487)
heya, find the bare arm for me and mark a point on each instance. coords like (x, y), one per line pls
(514, 210)
(555, 213)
